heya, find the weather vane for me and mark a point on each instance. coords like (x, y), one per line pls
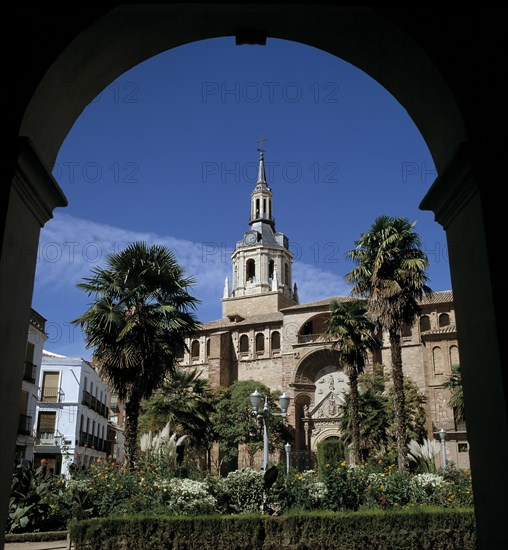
(261, 140)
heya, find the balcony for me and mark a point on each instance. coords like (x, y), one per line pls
(108, 447)
(52, 395)
(93, 442)
(24, 424)
(93, 403)
(30, 372)
(310, 338)
(45, 438)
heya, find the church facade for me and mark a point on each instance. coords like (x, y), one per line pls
(265, 334)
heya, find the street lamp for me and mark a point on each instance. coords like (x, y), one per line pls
(287, 447)
(442, 436)
(256, 399)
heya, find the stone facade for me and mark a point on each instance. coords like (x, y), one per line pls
(265, 335)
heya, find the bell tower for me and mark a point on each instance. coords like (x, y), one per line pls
(262, 263)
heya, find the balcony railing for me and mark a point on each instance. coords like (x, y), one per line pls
(45, 438)
(52, 395)
(309, 338)
(29, 374)
(24, 424)
(92, 441)
(93, 403)
(87, 399)
(108, 447)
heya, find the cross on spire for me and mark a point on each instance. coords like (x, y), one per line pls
(261, 140)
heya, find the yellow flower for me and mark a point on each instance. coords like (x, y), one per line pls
(343, 463)
(381, 486)
(369, 487)
(328, 465)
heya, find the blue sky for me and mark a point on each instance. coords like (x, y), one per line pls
(167, 154)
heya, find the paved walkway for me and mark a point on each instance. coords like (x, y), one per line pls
(48, 545)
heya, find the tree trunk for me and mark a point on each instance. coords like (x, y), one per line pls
(355, 419)
(399, 404)
(131, 428)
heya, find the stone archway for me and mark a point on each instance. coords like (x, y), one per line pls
(89, 50)
(319, 385)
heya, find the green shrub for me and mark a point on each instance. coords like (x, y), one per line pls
(459, 488)
(301, 491)
(416, 529)
(188, 497)
(28, 511)
(330, 451)
(241, 491)
(345, 487)
(388, 490)
(36, 537)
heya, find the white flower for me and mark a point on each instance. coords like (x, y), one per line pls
(427, 480)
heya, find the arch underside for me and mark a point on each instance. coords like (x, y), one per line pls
(129, 35)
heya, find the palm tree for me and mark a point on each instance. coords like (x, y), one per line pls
(454, 384)
(353, 333)
(390, 273)
(373, 420)
(137, 324)
(185, 400)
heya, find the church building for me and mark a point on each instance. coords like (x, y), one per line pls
(265, 334)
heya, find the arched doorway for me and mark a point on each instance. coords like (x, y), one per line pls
(319, 387)
(90, 50)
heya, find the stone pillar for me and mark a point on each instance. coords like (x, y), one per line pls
(455, 200)
(33, 196)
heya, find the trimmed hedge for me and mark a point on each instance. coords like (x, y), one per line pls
(330, 451)
(417, 528)
(36, 537)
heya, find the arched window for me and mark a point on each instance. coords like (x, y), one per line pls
(195, 350)
(286, 274)
(276, 341)
(251, 270)
(424, 323)
(260, 342)
(244, 344)
(407, 330)
(454, 355)
(437, 360)
(208, 347)
(444, 320)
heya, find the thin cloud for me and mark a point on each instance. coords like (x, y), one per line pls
(315, 283)
(70, 247)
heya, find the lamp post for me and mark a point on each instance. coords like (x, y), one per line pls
(287, 447)
(265, 414)
(442, 436)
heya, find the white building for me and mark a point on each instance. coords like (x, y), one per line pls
(30, 389)
(116, 428)
(72, 414)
